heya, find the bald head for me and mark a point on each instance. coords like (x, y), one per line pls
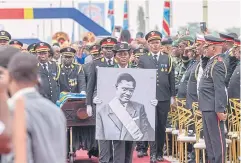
(6, 53)
(23, 67)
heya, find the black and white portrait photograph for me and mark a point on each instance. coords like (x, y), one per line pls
(125, 111)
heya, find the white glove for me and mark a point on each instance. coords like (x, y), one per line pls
(83, 92)
(89, 110)
(172, 100)
(154, 102)
(96, 100)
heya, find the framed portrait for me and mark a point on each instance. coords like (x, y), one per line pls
(126, 112)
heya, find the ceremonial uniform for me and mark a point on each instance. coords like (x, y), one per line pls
(213, 100)
(182, 87)
(72, 78)
(187, 41)
(49, 74)
(105, 146)
(5, 37)
(229, 60)
(165, 89)
(192, 86)
(234, 83)
(16, 44)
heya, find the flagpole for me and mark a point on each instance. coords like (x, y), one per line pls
(147, 14)
(205, 11)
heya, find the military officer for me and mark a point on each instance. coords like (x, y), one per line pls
(31, 48)
(177, 61)
(16, 44)
(72, 78)
(213, 100)
(165, 89)
(190, 53)
(49, 72)
(192, 81)
(5, 37)
(166, 45)
(94, 51)
(229, 59)
(183, 42)
(142, 146)
(137, 53)
(107, 44)
(234, 83)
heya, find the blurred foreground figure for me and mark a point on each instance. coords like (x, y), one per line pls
(6, 52)
(45, 122)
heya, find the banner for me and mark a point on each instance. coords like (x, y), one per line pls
(95, 11)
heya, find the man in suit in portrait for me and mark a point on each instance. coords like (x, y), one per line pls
(121, 118)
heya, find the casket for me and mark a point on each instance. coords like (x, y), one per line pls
(76, 114)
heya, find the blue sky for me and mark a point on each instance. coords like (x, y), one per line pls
(222, 14)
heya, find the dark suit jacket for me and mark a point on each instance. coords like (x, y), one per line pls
(109, 127)
(92, 80)
(49, 81)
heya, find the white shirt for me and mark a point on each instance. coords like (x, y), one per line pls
(123, 67)
(112, 60)
(47, 66)
(157, 54)
(200, 73)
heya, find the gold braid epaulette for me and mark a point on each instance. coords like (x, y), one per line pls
(214, 62)
(80, 68)
(170, 64)
(58, 72)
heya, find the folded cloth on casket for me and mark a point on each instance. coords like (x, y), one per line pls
(65, 96)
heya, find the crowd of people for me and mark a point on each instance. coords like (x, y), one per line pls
(204, 69)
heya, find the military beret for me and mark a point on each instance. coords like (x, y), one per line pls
(94, 49)
(121, 47)
(4, 35)
(175, 43)
(236, 42)
(42, 47)
(56, 44)
(153, 35)
(140, 51)
(227, 37)
(212, 40)
(186, 38)
(31, 48)
(167, 41)
(68, 51)
(108, 42)
(16, 44)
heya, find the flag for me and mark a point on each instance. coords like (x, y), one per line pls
(125, 19)
(111, 14)
(166, 19)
